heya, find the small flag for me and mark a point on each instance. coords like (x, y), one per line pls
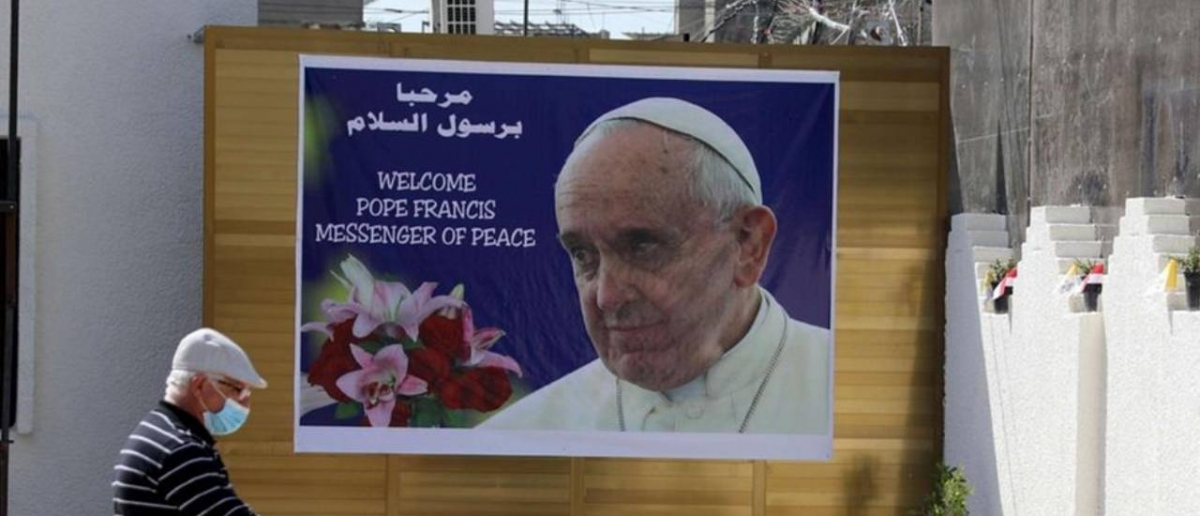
(1167, 280)
(1005, 282)
(1094, 277)
(1172, 272)
(1071, 280)
(985, 286)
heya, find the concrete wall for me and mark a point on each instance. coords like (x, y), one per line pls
(989, 44)
(302, 12)
(116, 90)
(1058, 102)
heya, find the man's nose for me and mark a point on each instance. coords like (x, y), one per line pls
(614, 286)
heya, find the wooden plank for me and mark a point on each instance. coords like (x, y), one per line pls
(892, 96)
(671, 58)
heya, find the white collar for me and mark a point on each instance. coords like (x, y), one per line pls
(736, 376)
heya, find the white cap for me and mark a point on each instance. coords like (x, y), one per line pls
(208, 351)
(694, 121)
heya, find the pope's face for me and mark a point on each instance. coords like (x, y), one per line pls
(654, 270)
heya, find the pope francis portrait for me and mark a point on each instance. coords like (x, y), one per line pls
(660, 209)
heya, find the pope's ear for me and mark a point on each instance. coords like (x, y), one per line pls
(756, 228)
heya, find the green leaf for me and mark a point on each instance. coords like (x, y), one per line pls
(371, 346)
(347, 410)
(457, 419)
(427, 413)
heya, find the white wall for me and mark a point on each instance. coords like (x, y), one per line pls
(1043, 365)
(1179, 447)
(1053, 411)
(975, 416)
(1152, 367)
(116, 90)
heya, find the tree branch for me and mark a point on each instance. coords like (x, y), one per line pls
(899, 30)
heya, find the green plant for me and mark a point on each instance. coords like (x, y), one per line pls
(949, 495)
(1084, 266)
(1191, 263)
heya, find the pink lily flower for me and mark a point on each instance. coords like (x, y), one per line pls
(480, 342)
(382, 377)
(374, 303)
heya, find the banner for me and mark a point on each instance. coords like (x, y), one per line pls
(574, 260)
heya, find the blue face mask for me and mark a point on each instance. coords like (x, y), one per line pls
(228, 420)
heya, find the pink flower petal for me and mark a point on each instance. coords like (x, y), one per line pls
(361, 356)
(490, 359)
(485, 338)
(348, 383)
(412, 386)
(316, 326)
(424, 292)
(359, 276)
(365, 324)
(391, 295)
(433, 305)
(412, 329)
(392, 358)
(338, 312)
(381, 414)
(468, 323)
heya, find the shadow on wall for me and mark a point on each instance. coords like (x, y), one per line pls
(860, 487)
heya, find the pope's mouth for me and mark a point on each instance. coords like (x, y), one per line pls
(630, 330)
(635, 339)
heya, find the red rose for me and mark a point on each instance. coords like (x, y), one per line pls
(483, 389)
(446, 336)
(400, 414)
(334, 361)
(429, 364)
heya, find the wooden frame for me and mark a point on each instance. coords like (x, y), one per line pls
(893, 159)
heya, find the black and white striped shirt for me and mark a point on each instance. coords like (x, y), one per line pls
(170, 467)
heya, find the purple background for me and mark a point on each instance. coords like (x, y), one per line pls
(529, 293)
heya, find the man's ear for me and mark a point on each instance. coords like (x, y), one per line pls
(756, 231)
(197, 382)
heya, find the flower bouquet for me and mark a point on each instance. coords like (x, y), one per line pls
(401, 358)
(1190, 266)
(998, 284)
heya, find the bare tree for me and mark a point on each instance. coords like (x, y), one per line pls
(849, 22)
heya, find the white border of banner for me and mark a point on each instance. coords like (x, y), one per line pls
(477, 441)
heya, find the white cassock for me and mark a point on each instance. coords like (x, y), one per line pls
(794, 400)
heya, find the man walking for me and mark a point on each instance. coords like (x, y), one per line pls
(169, 465)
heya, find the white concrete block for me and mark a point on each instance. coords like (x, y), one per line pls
(1177, 300)
(1106, 231)
(981, 269)
(1072, 232)
(1138, 206)
(991, 254)
(1077, 249)
(1172, 244)
(979, 222)
(1059, 215)
(1155, 225)
(989, 238)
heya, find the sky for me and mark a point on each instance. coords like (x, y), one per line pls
(616, 16)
